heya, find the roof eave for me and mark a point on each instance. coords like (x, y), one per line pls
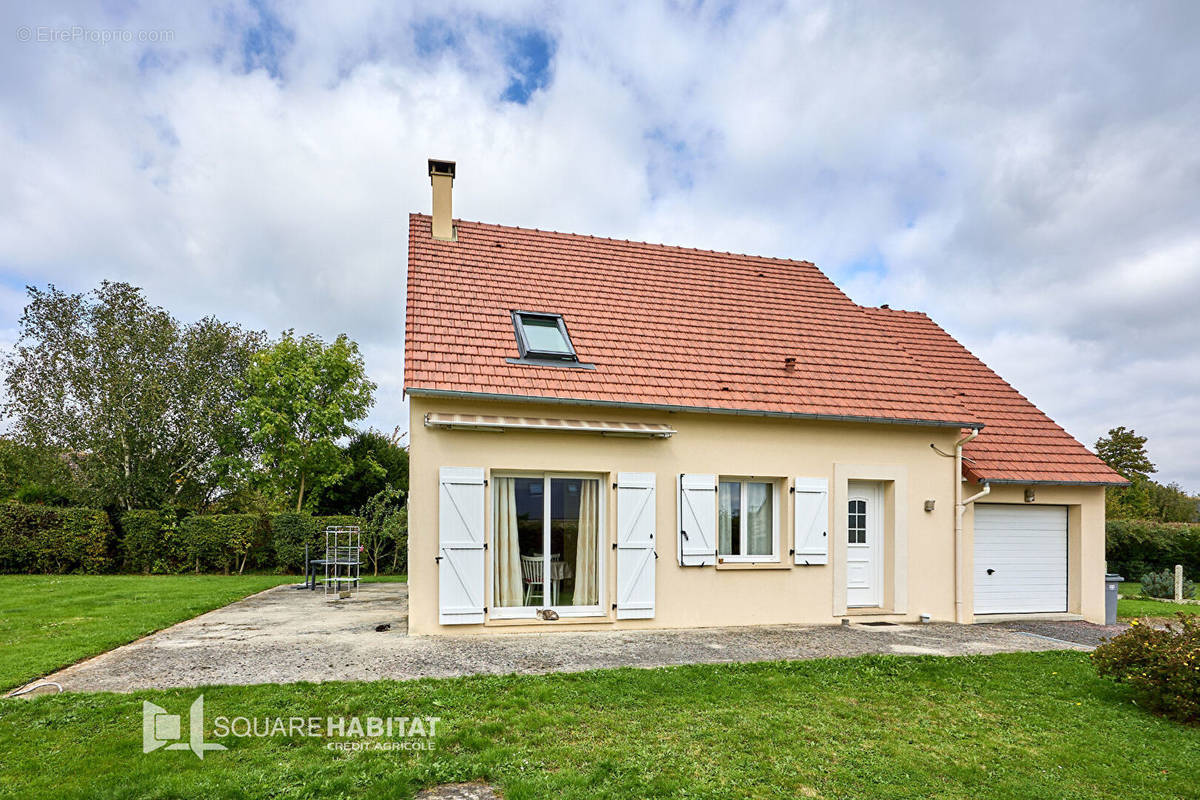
(1051, 482)
(750, 412)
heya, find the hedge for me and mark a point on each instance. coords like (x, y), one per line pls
(44, 539)
(1137, 547)
(290, 532)
(38, 539)
(221, 541)
(151, 543)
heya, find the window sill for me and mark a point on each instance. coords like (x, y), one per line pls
(526, 622)
(549, 362)
(753, 565)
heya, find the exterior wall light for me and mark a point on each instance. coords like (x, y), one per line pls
(1030, 496)
(929, 505)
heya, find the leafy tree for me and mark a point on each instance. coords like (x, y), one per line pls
(1171, 503)
(385, 527)
(1129, 502)
(37, 475)
(302, 396)
(1125, 451)
(145, 406)
(377, 461)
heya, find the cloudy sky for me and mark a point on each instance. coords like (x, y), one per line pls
(1028, 174)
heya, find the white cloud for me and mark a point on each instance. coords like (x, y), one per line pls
(1026, 173)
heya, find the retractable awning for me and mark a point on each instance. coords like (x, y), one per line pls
(485, 422)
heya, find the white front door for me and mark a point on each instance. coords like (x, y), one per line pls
(864, 545)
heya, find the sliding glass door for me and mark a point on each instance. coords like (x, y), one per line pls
(546, 544)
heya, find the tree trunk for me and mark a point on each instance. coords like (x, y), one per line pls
(300, 497)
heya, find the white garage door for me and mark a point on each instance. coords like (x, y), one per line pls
(1020, 559)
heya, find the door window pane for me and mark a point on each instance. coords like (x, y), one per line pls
(573, 571)
(520, 512)
(857, 522)
(542, 561)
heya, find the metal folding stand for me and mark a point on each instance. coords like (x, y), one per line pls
(343, 560)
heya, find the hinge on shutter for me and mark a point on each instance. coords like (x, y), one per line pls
(655, 555)
(792, 552)
(485, 545)
(437, 559)
(792, 490)
(614, 484)
(614, 545)
(614, 606)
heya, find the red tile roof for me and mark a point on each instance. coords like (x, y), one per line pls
(672, 326)
(1019, 443)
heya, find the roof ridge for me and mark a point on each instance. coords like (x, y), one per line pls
(658, 245)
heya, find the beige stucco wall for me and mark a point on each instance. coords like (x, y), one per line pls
(919, 557)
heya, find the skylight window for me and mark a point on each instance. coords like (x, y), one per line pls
(543, 337)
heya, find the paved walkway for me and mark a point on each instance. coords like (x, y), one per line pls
(285, 635)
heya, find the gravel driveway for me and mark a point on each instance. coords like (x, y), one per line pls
(285, 635)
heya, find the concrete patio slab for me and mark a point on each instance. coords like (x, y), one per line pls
(286, 635)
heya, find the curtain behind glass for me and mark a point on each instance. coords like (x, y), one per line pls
(509, 587)
(758, 519)
(587, 588)
(729, 497)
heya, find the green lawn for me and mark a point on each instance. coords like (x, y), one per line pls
(368, 578)
(1038, 725)
(1128, 608)
(50, 621)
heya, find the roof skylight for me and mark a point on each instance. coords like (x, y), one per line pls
(543, 337)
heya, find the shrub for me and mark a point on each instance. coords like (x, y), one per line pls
(1137, 547)
(220, 541)
(291, 531)
(1162, 665)
(57, 540)
(385, 529)
(1162, 584)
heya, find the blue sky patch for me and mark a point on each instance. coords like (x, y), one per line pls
(265, 43)
(528, 53)
(869, 264)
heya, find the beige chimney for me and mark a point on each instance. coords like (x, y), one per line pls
(441, 174)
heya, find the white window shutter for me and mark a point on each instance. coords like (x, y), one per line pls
(635, 545)
(697, 520)
(461, 508)
(812, 521)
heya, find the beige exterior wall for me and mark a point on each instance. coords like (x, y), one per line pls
(919, 545)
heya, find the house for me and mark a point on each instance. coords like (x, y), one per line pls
(640, 436)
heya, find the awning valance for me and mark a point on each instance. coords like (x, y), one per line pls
(486, 422)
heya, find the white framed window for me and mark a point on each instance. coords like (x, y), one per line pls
(547, 548)
(747, 519)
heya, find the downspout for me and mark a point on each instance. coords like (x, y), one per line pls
(960, 508)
